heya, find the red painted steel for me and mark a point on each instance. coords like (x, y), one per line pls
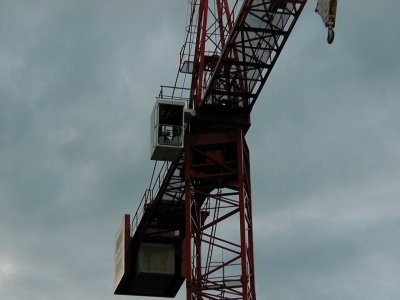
(213, 26)
(206, 195)
(221, 261)
(217, 183)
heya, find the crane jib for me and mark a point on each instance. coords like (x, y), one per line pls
(251, 51)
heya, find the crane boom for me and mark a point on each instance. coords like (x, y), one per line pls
(253, 47)
(181, 230)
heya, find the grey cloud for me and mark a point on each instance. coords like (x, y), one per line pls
(77, 83)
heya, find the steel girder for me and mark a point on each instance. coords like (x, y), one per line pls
(252, 48)
(218, 254)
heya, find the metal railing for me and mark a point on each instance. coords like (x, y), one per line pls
(148, 196)
(174, 93)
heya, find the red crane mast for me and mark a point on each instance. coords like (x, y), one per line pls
(194, 222)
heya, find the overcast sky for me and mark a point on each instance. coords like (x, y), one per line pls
(77, 83)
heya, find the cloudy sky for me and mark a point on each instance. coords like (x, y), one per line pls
(77, 83)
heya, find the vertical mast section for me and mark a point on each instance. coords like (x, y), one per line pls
(219, 258)
(218, 245)
(214, 23)
(232, 61)
(198, 72)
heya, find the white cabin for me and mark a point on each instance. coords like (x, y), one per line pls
(167, 129)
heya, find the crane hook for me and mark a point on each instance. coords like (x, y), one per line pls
(331, 35)
(327, 11)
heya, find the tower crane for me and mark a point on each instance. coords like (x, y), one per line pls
(194, 221)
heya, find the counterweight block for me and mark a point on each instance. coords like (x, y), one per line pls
(148, 268)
